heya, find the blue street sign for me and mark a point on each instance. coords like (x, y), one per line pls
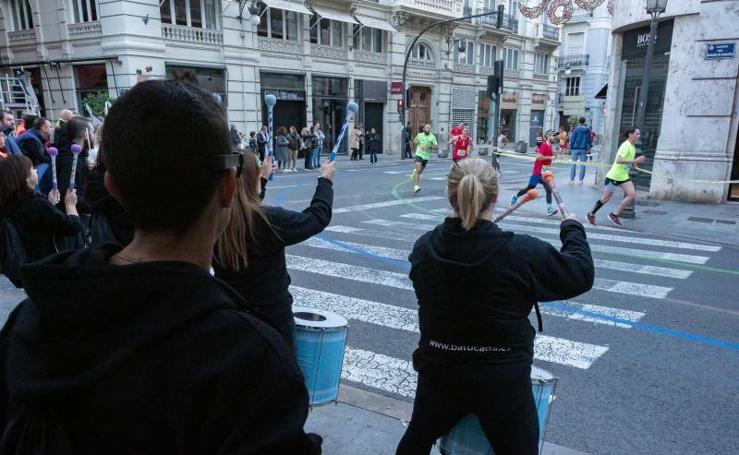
(720, 50)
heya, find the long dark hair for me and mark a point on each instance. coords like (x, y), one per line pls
(14, 172)
(629, 132)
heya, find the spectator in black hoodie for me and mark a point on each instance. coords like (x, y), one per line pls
(476, 286)
(39, 223)
(250, 255)
(139, 350)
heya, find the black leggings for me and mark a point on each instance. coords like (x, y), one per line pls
(530, 187)
(500, 396)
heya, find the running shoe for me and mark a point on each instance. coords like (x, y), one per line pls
(591, 218)
(615, 220)
(416, 189)
(552, 210)
(514, 199)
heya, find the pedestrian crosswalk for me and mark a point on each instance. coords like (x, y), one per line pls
(368, 283)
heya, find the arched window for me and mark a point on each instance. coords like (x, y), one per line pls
(422, 52)
(21, 16)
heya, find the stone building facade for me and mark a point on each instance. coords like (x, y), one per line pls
(314, 56)
(690, 130)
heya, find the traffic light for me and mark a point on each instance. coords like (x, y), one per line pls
(495, 82)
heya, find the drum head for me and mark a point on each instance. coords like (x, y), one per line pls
(317, 319)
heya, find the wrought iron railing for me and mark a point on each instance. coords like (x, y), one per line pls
(573, 61)
(550, 32)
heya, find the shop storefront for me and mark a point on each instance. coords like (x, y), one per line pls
(371, 97)
(536, 120)
(289, 89)
(330, 95)
(633, 59)
(508, 110)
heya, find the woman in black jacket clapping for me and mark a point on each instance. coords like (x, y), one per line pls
(35, 217)
(476, 285)
(250, 254)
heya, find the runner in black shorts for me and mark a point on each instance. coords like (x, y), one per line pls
(425, 143)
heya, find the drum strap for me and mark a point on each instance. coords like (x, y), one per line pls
(538, 316)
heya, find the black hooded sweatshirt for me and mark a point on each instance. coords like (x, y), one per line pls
(476, 288)
(150, 358)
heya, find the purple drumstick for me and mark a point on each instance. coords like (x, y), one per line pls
(76, 149)
(53, 152)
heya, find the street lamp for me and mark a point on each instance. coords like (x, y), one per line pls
(251, 6)
(461, 47)
(499, 15)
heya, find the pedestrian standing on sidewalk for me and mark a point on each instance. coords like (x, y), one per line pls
(476, 286)
(250, 255)
(307, 146)
(262, 140)
(139, 349)
(425, 143)
(407, 146)
(462, 146)
(355, 141)
(618, 177)
(373, 145)
(292, 149)
(318, 140)
(281, 143)
(580, 144)
(253, 145)
(542, 161)
(361, 141)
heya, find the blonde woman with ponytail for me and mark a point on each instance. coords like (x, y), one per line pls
(476, 286)
(250, 254)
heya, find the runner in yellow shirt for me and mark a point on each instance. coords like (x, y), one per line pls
(618, 176)
(425, 143)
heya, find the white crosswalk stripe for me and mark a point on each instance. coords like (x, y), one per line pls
(342, 229)
(546, 348)
(379, 371)
(377, 205)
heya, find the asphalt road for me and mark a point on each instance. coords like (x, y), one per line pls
(647, 361)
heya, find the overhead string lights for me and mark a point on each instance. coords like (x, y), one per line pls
(553, 7)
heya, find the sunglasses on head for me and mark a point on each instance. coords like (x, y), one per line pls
(231, 160)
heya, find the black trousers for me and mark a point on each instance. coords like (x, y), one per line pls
(500, 396)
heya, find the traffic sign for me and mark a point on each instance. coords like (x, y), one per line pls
(720, 50)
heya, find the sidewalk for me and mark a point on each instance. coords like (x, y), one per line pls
(370, 424)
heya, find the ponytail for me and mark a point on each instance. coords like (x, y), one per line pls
(472, 187)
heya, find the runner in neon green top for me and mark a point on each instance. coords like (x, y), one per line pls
(618, 176)
(425, 143)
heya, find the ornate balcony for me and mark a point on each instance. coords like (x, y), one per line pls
(195, 35)
(423, 64)
(573, 61)
(279, 46)
(464, 68)
(319, 50)
(443, 7)
(84, 30)
(370, 57)
(22, 37)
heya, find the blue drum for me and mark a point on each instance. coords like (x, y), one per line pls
(467, 437)
(320, 338)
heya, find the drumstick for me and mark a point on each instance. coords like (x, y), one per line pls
(529, 196)
(76, 149)
(351, 109)
(53, 152)
(270, 100)
(548, 178)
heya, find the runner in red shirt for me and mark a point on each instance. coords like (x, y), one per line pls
(455, 133)
(462, 146)
(544, 156)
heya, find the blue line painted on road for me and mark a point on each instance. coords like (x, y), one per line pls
(646, 327)
(403, 265)
(280, 198)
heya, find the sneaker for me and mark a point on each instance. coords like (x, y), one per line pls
(615, 220)
(572, 182)
(514, 199)
(416, 189)
(581, 182)
(591, 218)
(552, 210)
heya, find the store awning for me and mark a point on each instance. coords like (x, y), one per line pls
(372, 22)
(602, 93)
(334, 14)
(286, 5)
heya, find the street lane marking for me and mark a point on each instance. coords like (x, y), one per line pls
(343, 229)
(582, 312)
(397, 172)
(402, 255)
(692, 259)
(401, 280)
(349, 272)
(377, 205)
(546, 348)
